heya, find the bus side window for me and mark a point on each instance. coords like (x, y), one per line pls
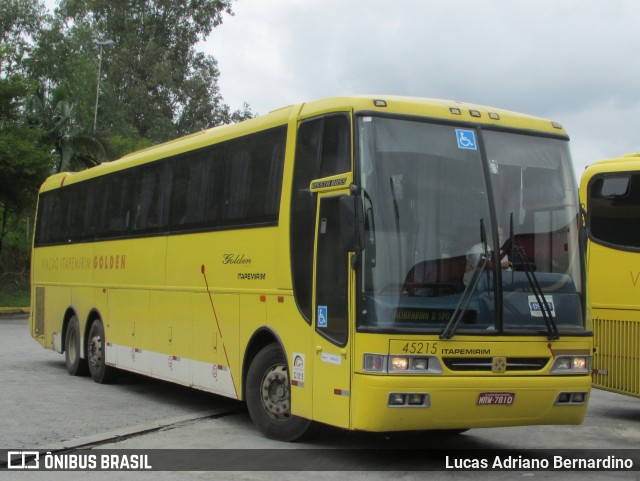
(236, 186)
(332, 274)
(613, 207)
(75, 212)
(150, 203)
(196, 184)
(323, 149)
(116, 214)
(253, 179)
(336, 146)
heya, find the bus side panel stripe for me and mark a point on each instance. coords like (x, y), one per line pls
(211, 377)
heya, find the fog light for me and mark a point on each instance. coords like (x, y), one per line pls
(397, 399)
(420, 364)
(578, 397)
(415, 399)
(399, 363)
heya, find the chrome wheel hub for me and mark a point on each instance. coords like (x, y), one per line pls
(275, 393)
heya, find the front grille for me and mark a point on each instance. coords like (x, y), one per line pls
(486, 363)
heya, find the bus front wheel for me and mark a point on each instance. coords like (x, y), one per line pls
(100, 372)
(76, 366)
(269, 397)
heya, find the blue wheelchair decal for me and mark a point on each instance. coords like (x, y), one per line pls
(322, 316)
(466, 139)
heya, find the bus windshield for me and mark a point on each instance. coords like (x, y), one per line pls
(478, 225)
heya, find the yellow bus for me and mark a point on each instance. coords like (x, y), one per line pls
(610, 193)
(331, 261)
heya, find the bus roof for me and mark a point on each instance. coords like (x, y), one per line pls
(625, 163)
(392, 105)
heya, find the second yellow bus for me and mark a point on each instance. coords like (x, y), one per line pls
(610, 193)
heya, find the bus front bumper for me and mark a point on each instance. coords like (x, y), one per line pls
(390, 403)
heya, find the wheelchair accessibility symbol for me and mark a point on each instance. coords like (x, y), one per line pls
(322, 316)
(466, 139)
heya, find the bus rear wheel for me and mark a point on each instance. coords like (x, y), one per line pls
(100, 372)
(76, 366)
(269, 397)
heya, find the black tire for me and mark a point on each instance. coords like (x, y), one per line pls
(76, 366)
(447, 432)
(269, 397)
(100, 372)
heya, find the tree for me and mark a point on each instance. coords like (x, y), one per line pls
(24, 160)
(74, 145)
(20, 20)
(153, 81)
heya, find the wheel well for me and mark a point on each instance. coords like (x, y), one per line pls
(259, 341)
(65, 323)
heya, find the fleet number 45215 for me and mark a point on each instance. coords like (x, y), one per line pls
(418, 347)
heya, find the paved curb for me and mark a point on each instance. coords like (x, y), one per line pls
(14, 310)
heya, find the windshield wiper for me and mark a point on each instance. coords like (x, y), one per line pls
(370, 228)
(547, 315)
(396, 215)
(463, 305)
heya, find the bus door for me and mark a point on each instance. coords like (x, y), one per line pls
(331, 318)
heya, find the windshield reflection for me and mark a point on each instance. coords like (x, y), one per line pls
(428, 222)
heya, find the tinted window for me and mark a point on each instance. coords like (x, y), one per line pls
(614, 210)
(74, 211)
(332, 275)
(336, 146)
(253, 179)
(323, 149)
(115, 216)
(48, 228)
(196, 187)
(231, 184)
(149, 208)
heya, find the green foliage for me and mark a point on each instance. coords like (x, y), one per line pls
(20, 20)
(24, 158)
(153, 86)
(14, 263)
(120, 145)
(24, 164)
(25, 161)
(14, 257)
(153, 82)
(74, 145)
(14, 294)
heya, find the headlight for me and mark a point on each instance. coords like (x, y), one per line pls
(399, 363)
(571, 364)
(579, 363)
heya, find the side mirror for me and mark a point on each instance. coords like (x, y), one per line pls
(351, 224)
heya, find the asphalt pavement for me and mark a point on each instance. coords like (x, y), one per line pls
(44, 409)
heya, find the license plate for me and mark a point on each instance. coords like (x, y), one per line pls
(496, 398)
